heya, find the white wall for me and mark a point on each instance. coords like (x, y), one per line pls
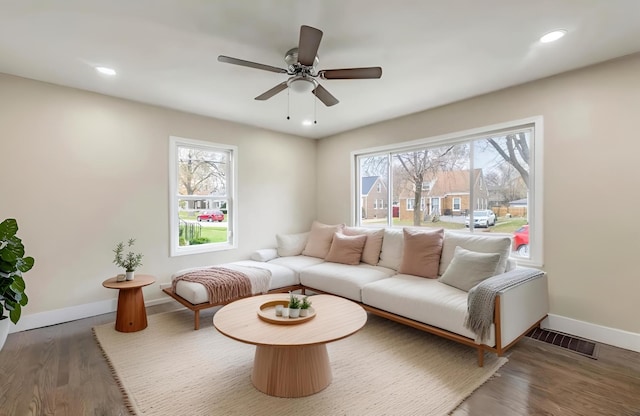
(591, 168)
(82, 171)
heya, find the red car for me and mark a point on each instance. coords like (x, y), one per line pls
(215, 215)
(521, 241)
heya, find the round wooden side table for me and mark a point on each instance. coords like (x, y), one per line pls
(131, 315)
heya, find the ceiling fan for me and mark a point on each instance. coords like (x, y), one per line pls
(302, 62)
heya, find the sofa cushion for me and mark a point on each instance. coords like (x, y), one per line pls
(468, 268)
(346, 249)
(296, 263)
(421, 253)
(423, 300)
(391, 253)
(373, 245)
(320, 238)
(291, 244)
(341, 279)
(478, 243)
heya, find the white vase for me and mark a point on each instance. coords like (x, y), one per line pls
(294, 312)
(304, 312)
(4, 331)
(129, 275)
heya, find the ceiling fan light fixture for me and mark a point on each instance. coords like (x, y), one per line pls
(301, 84)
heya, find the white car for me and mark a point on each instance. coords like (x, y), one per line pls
(482, 218)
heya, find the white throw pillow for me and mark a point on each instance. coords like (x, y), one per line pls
(265, 254)
(392, 245)
(477, 243)
(291, 244)
(468, 268)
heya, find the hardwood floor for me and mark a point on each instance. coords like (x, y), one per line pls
(60, 370)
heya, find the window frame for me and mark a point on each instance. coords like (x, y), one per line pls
(456, 200)
(231, 196)
(536, 174)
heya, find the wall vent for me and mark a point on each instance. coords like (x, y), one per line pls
(578, 345)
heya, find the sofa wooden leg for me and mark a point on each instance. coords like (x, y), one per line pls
(480, 357)
(196, 318)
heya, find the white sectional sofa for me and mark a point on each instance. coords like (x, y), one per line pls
(418, 277)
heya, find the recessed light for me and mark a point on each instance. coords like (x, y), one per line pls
(307, 123)
(106, 71)
(553, 36)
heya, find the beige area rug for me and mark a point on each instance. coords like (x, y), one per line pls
(384, 369)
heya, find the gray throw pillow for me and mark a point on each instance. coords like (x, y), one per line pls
(468, 268)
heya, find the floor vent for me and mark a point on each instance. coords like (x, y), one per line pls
(578, 345)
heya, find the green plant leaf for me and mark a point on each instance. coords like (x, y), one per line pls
(26, 264)
(14, 315)
(24, 300)
(8, 228)
(18, 284)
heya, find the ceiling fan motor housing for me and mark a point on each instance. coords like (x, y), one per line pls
(291, 59)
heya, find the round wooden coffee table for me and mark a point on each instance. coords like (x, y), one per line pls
(131, 315)
(290, 360)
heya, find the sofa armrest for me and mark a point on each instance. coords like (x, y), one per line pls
(521, 307)
(265, 254)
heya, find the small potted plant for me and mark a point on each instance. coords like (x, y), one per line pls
(12, 264)
(304, 306)
(129, 261)
(294, 306)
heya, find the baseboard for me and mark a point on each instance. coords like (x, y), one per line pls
(605, 335)
(72, 313)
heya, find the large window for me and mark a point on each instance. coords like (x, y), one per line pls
(202, 196)
(487, 180)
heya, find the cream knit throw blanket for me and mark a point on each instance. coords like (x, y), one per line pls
(228, 283)
(481, 298)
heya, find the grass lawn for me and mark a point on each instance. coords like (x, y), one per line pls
(503, 225)
(214, 234)
(438, 224)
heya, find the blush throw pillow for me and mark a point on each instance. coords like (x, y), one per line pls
(468, 268)
(346, 249)
(421, 253)
(320, 238)
(373, 245)
(291, 244)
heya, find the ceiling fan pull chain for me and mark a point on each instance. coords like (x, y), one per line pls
(315, 102)
(288, 104)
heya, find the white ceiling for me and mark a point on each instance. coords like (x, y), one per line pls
(432, 52)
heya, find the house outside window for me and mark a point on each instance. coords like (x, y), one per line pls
(456, 174)
(202, 196)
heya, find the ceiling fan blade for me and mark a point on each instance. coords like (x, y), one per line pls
(325, 96)
(308, 45)
(352, 73)
(273, 91)
(242, 62)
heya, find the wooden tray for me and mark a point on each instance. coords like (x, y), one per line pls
(267, 313)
